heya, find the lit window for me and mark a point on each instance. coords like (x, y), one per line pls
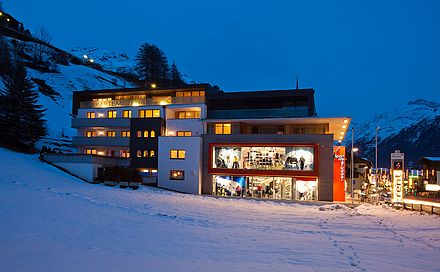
(138, 154)
(125, 153)
(125, 133)
(177, 175)
(188, 114)
(152, 154)
(91, 114)
(126, 113)
(222, 129)
(184, 133)
(111, 114)
(177, 154)
(91, 151)
(146, 134)
(148, 113)
(111, 134)
(90, 134)
(145, 153)
(152, 134)
(139, 134)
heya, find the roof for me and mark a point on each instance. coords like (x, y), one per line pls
(433, 159)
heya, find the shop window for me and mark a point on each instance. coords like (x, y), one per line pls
(222, 129)
(297, 158)
(111, 134)
(111, 114)
(177, 175)
(152, 134)
(126, 113)
(184, 133)
(125, 153)
(125, 133)
(139, 134)
(145, 133)
(90, 133)
(139, 154)
(145, 153)
(152, 154)
(177, 154)
(148, 113)
(91, 114)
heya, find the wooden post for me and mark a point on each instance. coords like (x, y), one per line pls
(421, 208)
(412, 207)
(432, 209)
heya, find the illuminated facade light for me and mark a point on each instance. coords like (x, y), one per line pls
(163, 103)
(85, 56)
(101, 132)
(345, 121)
(355, 149)
(153, 86)
(135, 104)
(100, 115)
(8, 19)
(342, 133)
(344, 126)
(92, 61)
(1, 13)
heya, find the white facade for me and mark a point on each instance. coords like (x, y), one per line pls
(191, 165)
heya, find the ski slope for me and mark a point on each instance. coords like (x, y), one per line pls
(53, 222)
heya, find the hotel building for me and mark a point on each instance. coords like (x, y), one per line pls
(198, 139)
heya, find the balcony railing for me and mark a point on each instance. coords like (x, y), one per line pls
(101, 141)
(100, 122)
(158, 101)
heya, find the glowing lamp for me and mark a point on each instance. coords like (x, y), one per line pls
(85, 56)
(153, 85)
(355, 149)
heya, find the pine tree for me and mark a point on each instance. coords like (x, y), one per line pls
(5, 58)
(176, 76)
(152, 64)
(21, 118)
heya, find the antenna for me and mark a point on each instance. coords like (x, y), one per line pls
(297, 82)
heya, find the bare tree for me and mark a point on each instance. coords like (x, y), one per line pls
(40, 48)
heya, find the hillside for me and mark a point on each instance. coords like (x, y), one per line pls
(56, 75)
(412, 128)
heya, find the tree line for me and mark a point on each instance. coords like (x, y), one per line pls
(152, 67)
(22, 121)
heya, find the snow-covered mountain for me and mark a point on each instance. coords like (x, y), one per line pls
(407, 128)
(56, 76)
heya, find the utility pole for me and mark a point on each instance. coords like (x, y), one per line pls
(351, 165)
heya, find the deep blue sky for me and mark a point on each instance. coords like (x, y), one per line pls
(361, 57)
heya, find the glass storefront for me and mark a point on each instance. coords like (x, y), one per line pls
(299, 158)
(266, 187)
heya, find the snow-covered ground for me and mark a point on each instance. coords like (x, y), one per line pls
(53, 222)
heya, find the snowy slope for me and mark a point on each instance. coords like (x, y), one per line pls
(109, 60)
(53, 222)
(66, 78)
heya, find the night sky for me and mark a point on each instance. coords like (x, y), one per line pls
(361, 57)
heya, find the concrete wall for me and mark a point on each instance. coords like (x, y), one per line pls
(193, 125)
(84, 166)
(191, 164)
(325, 155)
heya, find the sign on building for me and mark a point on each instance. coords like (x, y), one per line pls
(339, 173)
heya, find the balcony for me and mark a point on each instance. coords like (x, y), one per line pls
(100, 122)
(157, 101)
(101, 141)
(287, 112)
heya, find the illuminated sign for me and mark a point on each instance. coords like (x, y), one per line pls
(397, 185)
(339, 173)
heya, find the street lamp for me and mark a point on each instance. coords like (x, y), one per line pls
(375, 172)
(353, 149)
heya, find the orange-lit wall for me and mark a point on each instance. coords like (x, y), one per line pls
(339, 173)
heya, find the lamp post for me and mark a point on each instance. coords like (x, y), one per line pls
(375, 171)
(353, 149)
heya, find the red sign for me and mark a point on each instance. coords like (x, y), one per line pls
(339, 173)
